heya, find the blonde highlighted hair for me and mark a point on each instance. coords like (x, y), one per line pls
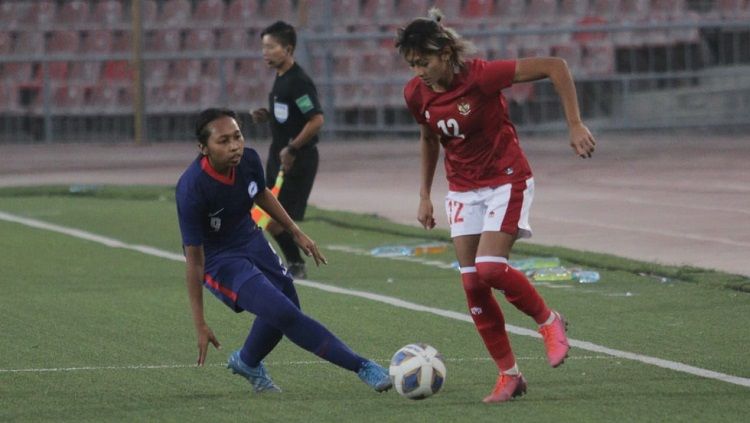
(428, 36)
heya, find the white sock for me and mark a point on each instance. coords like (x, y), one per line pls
(513, 371)
(550, 319)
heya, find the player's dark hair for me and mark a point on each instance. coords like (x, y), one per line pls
(283, 32)
(202, 132)
(428, 36)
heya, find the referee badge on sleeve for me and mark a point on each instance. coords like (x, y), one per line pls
(304, 103)
(281, 112)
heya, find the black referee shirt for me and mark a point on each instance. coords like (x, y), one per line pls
(293, 101)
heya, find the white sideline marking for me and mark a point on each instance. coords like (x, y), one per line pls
(269, 363)
(584, 345)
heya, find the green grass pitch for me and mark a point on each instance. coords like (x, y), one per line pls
(95, 333)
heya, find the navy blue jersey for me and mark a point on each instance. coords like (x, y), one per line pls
(214, 210)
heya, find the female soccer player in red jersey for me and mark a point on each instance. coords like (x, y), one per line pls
(458, 103)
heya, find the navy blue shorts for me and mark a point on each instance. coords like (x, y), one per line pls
(228, 271)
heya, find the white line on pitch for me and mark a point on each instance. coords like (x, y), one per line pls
(585, 345)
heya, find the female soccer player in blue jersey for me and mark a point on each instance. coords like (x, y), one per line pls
(226, 252)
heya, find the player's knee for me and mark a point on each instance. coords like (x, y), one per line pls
(473, 287)
(491, 273)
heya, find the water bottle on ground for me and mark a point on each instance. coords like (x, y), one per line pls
(552, 274)
(586, 276)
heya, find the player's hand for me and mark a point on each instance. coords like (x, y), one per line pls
(287, 159)
(309, 247)
(425, 214)
(260, 115)
(205, 335)
(581, 140)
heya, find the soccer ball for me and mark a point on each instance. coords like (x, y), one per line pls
(417, 371)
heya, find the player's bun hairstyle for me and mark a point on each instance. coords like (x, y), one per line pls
(427, 36)
(283, 32)
(202, 132)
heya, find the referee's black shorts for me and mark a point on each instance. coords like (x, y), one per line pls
(298, 182)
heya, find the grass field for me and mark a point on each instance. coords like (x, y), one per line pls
(96, 330)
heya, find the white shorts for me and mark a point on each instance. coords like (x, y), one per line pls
(504, 208)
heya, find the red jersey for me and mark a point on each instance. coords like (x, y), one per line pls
(471, 117)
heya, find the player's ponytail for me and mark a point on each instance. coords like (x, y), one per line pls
(426, 36)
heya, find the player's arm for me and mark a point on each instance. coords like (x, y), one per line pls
(311, 128)
(266, 200)
(556, 69)
(430, 151)
(194, 271)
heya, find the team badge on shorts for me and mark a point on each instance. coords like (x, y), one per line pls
(464, 108)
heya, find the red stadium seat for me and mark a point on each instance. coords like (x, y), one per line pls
(201, 95)
(103, 97)
(168, 96)
(69, 97)
(242, 11)
(117, 71)
(200, 40)
(175, 13)
(108, 12)
(376, 63)
(476, 9)
(250, 68)
(17, 71)
(210, 11)
(73, 12)
(187, 71)
(233, 39)
(97, 41)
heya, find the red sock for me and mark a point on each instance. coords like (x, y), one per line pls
(488, 319)
(495, 272)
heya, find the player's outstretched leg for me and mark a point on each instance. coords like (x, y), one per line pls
(507, 387)
(555, 339)
(257, 376)
(375, 376)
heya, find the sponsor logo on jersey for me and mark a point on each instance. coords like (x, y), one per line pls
(281, 112)
(464, 108)
(304, 103)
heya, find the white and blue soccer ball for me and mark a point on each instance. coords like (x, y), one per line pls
(417, 371)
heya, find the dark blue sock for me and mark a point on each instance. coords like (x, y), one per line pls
(276, 311)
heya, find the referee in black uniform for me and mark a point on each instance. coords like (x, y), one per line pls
(296, 117)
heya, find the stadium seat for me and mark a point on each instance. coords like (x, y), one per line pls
(201, 95)
(348, 10)
(73, 12)
(108, 12)
(451, 9)
(97, 41)
(572, 10)
(379, 11)
(11, 13)
(243, 11)
(85, 71)
(117, 71)
(68, 98)
(733, 9)
(476, 9)
(633, 10)
(200, 40)
(598, 58)
(667, 9)
(233, 39)
(63, 42)
(29, 42)
(103, 97)
(406, 9)
(17, 72)
(249, 68)
(278, 9)
(121, 41)
(8, 99)
(209, 11)
(149, 13)
(186, 71)
(38, 14)
(156, 71)
(606, 9)
(6, 43)
(589, 36)
(541, 11)
(175, 13)
(212, 69)
(168, 96)
(376, 63)
(166, 40)
(510, 11)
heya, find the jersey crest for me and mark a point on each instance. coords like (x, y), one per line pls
(464, 108)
